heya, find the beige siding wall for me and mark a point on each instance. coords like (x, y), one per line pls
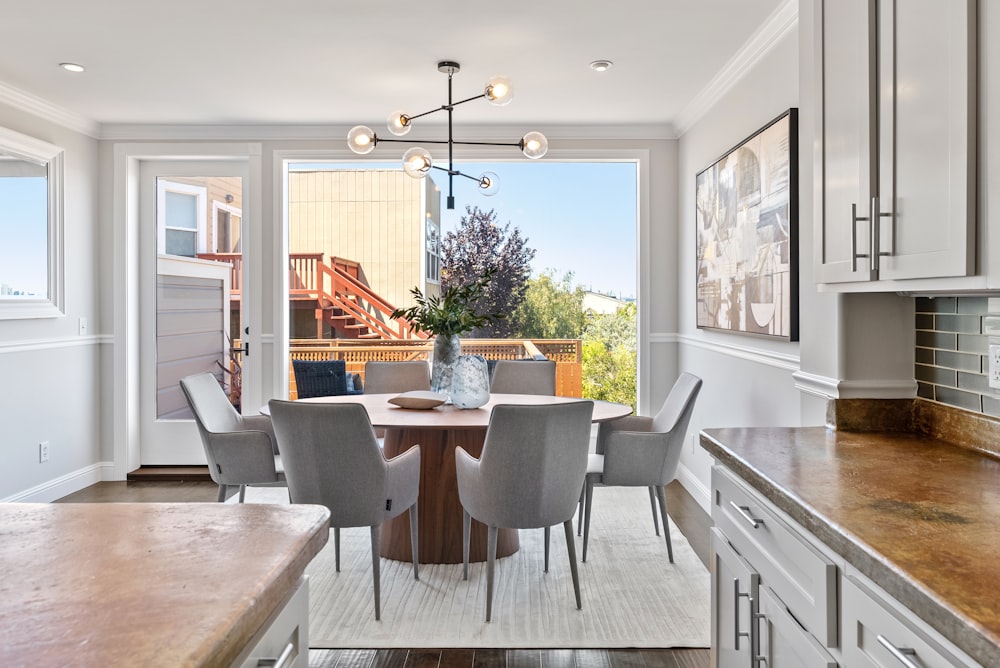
(373, 217)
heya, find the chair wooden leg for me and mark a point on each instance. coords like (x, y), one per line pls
(579, 512)
(222, 492)
(377, 570)
(336, 546)
(586, 519)
(414, 541)
(243, 493)
(571, 548)
(666, 526)
(491, 561)
(548, 535)
(652, 504)
(466, 530)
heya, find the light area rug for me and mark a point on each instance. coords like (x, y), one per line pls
(632, 595)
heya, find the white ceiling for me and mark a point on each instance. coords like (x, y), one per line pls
(347, 62)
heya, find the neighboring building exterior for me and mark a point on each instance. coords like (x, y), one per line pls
(600, 303)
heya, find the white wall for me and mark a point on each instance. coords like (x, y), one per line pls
(50, 377)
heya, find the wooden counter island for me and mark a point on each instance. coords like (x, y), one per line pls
(154, 584)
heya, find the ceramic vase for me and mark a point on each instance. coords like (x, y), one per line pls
(470, 382)
(447, 350)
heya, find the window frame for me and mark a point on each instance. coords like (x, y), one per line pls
(27, 148)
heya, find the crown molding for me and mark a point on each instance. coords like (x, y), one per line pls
(36, 106)
(779, 24)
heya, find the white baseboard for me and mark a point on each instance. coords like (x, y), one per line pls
(57, 488)
(696, 488)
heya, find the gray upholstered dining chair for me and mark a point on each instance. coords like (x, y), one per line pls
(528, 476)
(331, 459)
(524, 377)
(396, 377)
(637, 451)
(241, 449)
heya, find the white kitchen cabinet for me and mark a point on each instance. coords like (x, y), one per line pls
(896, 152)
(734, 596)
(783, 642)
(283, 642)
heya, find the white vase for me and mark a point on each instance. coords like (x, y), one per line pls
(447, 350)
(470, 382)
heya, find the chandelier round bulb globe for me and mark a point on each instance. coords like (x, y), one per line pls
(534, 145)
(417, 162)
(361, 139)
(489, 184)
(499, 91)
(399, 123)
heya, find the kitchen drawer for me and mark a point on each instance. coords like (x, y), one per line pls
(880, 634)
(783, 642)
(801, 576)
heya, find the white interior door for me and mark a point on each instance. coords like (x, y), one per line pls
(193, 311)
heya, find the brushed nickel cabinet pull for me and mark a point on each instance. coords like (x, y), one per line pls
(874, 216)
(744, 512)
(901, 654)
(855, 219)
(737, 595)
(283, 661)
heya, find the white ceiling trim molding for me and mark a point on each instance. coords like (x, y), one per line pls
(779, 24)
(48, 111)
(772, 358)
(181, 132)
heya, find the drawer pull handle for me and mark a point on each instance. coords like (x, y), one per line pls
(902, 654)
(744, 512)
(283, 660)
(737, 595)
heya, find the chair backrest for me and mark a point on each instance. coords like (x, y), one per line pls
(320, 378)
(533, 462)
(396, 377)
(208, 401)
(524, 377)
(673, 418)
(331, 458)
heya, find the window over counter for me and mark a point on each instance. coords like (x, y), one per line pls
(31, 227)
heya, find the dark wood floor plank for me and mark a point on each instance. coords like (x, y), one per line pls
(626, 658)
(456, 658)
(423, 658)
(323, 658)
(659, 658)
(355, 658)
(389, 658)
(524, 658)
(692, 658)
(691, 519)
(592, 658)
(489, 658)
(145, 492)
(558, 658)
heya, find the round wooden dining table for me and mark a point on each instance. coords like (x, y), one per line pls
(439, 431)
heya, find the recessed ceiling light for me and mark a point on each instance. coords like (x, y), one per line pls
(72, 67)
(601, 65)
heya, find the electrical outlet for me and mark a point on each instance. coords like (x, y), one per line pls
(994, 365)
(43, 452)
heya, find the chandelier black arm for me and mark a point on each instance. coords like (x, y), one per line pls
(455, 172)
(443, 107)
(378, 140)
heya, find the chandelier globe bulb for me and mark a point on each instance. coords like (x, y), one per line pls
(499, 91)
(534, 145)
(399, 123)
(489, 184)
(417, 162)
(361, 139)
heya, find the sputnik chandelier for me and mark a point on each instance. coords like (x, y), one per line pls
(417, 160)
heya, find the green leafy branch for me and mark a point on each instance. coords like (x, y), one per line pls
(451, 313)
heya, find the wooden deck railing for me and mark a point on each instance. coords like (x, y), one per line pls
(567, 354)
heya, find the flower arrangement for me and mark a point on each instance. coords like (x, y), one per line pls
(453, 312)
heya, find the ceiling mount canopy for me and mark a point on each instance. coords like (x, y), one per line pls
(417, 161)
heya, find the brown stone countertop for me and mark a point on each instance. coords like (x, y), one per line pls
(146, 584)
(918, 515)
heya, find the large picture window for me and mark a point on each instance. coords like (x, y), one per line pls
(31, 226)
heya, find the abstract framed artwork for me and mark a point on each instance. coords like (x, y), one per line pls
(747, 219)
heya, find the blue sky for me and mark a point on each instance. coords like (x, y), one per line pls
(24, 234)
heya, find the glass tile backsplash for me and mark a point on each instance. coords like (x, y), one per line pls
(953, 336)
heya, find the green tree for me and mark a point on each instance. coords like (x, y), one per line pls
(479, 246)
(609, 356)
(552, 309)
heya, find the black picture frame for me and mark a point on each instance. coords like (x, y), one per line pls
(747, 218)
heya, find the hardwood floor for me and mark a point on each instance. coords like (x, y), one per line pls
(693, 522)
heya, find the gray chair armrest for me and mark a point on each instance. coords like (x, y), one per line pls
(402, 481)
(262, 423)
(635, 458)
(627, 423)
(244, 457)
(470, 490)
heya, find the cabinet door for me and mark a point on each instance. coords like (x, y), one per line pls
(783, 642)
(844, 35)
(927, 122)
(734, 596)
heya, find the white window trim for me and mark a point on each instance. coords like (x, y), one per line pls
(218, 206)
(164, 186)
(40, 152)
